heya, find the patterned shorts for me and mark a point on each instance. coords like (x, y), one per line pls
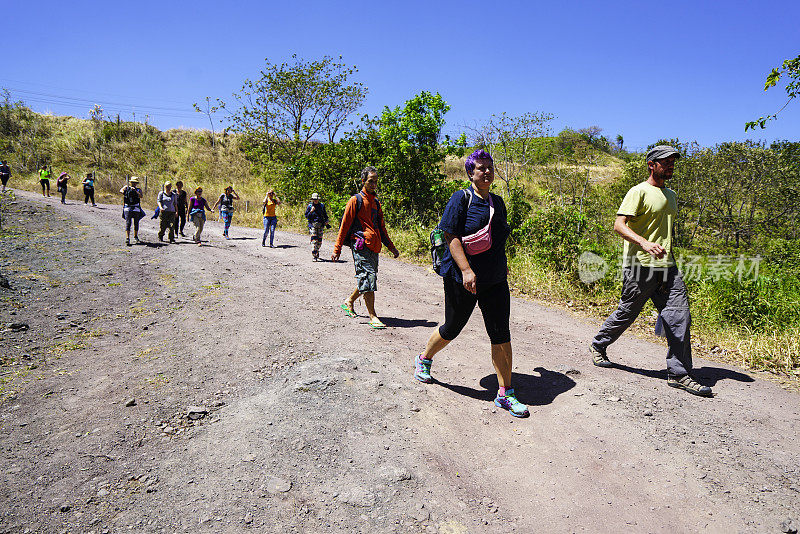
(366, 264)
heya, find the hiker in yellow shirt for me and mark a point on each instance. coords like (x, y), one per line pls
(645, 221)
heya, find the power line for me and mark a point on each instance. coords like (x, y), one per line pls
(110, 107)
(51, 87)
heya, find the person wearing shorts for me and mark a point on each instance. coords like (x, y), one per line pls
(131, 208)
(5, 174)
(476, 276)
(44, 180)
(365, 222)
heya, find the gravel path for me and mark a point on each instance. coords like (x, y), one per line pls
(176, 388)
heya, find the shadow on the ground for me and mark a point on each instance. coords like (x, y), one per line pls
(530, 389)
(285, 246)
(151, 245)
(407, 323)
(708, 376)
(242, 238)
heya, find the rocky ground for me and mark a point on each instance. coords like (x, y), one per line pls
(176, 388)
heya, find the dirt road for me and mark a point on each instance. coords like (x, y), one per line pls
(176, 388)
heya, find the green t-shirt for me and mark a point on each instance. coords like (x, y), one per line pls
(653, 211)
(44, 174)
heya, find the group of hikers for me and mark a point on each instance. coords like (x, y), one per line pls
(473, 262)
(173, 207)
(45, 173)
(474, 269)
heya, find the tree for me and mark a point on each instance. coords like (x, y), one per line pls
(512, 140)
(209, 109)
(790, 68)
(408, 148)
(620, 141)
(292, 104)
(413, 153)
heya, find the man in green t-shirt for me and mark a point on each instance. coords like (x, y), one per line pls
(645, 220)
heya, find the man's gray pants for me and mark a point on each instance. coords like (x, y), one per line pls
(668, 292)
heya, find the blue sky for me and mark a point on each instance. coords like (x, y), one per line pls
(687, 69)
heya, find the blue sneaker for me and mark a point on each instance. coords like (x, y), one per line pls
(422, 369)
(509, 402)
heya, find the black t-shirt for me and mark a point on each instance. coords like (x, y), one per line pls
(463, 217)
(182, 200)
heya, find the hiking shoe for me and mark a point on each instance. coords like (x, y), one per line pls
(128, 242)
(687, 383)
(599, 358)
(422, 369)
(509, 402)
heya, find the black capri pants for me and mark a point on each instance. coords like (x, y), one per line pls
(494, 302)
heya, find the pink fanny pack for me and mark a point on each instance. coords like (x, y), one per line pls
(480, 241)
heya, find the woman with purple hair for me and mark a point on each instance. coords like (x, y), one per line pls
(475, 271)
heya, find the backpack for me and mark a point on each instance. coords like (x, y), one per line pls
(131, 197)
(437, 238)
(356, 233)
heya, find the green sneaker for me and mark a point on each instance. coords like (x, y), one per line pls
(599, 358)
(509, 402)
(422, 369)
(687, 383)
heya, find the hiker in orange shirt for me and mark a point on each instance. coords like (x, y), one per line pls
(364, 231)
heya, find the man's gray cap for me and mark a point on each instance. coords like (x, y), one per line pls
(661, 152)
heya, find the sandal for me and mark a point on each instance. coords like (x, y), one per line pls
(376, 324)
(351, 312)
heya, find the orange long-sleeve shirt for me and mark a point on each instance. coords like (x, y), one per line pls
(371, 218)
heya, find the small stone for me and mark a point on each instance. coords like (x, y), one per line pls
(196, 412)
(415, 409)
(130, 402)
(613, 399)
(248, 518)
(277, 485)
(65, 508)
(789, 526)
(18, 327)
(102, 493)
(648, 413)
